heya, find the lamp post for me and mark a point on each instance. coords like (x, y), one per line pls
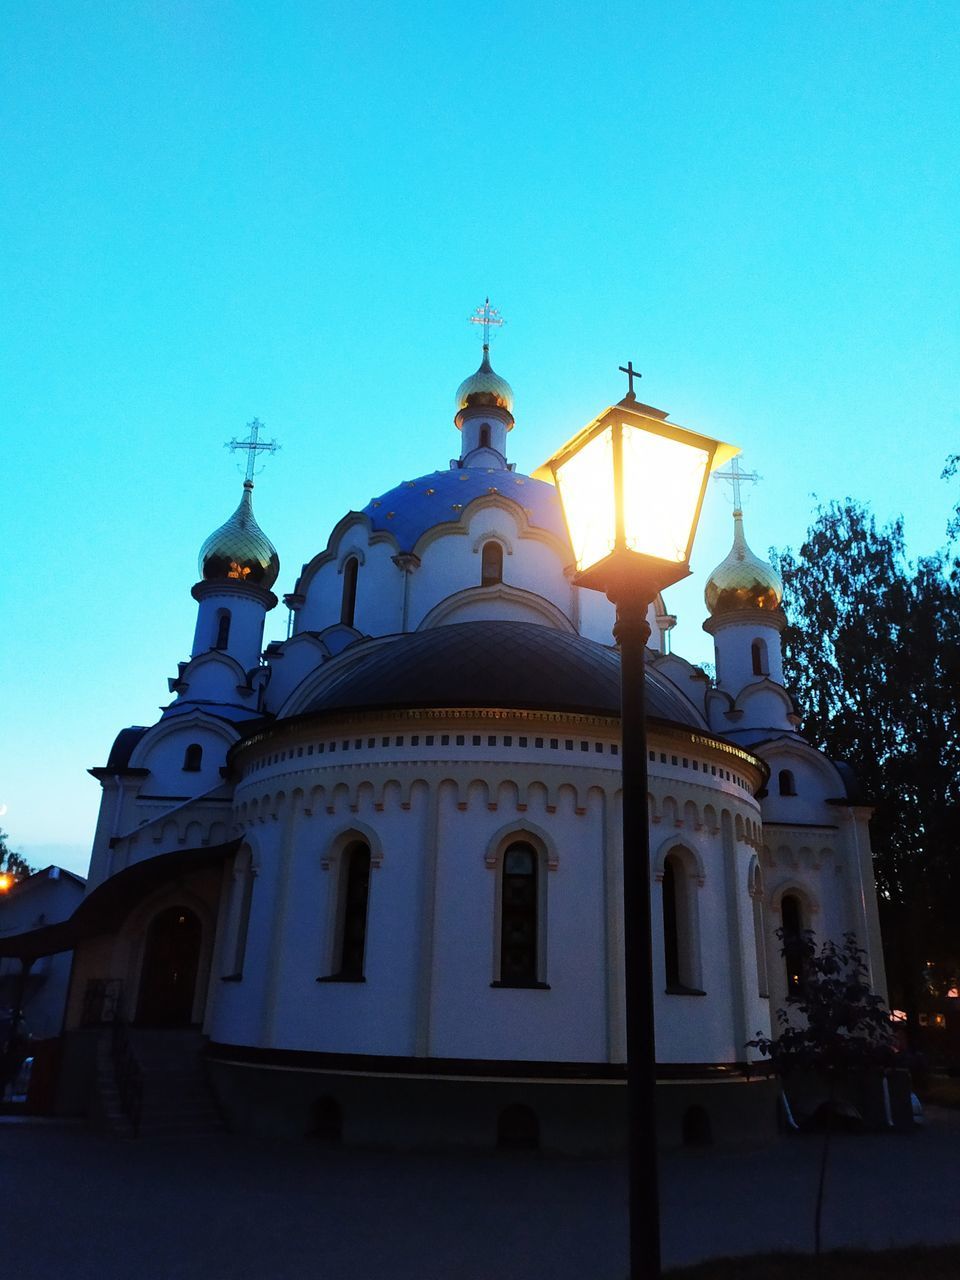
(632, 485)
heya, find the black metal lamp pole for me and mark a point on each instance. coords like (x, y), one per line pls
(606, 474)
(632, 632)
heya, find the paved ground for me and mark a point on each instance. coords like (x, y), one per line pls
(77, 1205)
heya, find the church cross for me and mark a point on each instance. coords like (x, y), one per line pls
(631, 373)
(252, 446)
(735, 477)
(486, 316)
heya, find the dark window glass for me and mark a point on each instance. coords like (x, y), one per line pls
(758, 656)
(223, 629)
(792, 923)
(787, 783)
(485, 437)
(518, 916)
(353, 922)
(671, 932)
(193, 758)
(243, 915)
(491, 564)
(348, 602)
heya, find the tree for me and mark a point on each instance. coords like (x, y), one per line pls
(838, 1029)
(872, 653)
(13, 863)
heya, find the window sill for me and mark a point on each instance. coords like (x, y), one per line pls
(523, 986)
(341, 977)
(683, 991)
(232, 977)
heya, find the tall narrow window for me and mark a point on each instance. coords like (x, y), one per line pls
(787, 783)
(485, 436)
(759, 931)
(348, 602)
(193, 758)
(671, 924)
(681, 954)
(518, 917)
(758, 655)
(491, 564)
(791, 920)
(223, 628)
(243, 876)
(355, 896)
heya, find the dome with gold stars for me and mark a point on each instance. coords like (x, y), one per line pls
(742, 580)
(485, 389)
(239, 551)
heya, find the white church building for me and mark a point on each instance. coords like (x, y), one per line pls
(377, 866)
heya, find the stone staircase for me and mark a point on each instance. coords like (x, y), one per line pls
(175, 1098)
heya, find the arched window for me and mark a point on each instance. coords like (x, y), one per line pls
(193, 758)
(518, 1128)
(791, 921)
(223, 629)
(671, 929)
(352, 919)
(243, 877)
(759, 931)
(696, 1127)
(787, 783)
(348, 601)
(518, 917)
(758, 656)
(680, 953)
(327, 1121)
(485, 436)
(491, 564)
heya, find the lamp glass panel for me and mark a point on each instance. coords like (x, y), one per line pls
(585, 482)
(662, 480)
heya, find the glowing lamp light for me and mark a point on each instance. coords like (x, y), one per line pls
(6, 881)
(632, 486)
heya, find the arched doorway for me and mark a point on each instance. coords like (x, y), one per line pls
(168, 978)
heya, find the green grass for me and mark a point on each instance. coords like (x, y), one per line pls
(897, 1264)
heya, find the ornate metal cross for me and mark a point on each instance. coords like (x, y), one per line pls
(487, 316)
(631, 373)
(252, 446)
(735, 477)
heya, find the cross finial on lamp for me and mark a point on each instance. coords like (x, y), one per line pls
(631, 373)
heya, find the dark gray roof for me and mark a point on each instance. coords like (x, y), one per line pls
(516, 665)
(123, 746)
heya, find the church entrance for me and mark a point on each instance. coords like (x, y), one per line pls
(169, 976)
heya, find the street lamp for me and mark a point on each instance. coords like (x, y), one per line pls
(632, 485)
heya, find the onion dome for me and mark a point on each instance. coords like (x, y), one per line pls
(742, 580)
(239, 551)
(485, 389)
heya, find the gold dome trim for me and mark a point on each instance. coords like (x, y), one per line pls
(485, 389)
(239, 551)
(742, 580)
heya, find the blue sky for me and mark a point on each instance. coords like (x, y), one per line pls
(216, 210)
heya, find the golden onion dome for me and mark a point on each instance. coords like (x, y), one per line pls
(239, 551)
(485, 389)
(742, 580)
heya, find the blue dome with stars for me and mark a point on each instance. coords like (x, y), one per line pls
(415, 506)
